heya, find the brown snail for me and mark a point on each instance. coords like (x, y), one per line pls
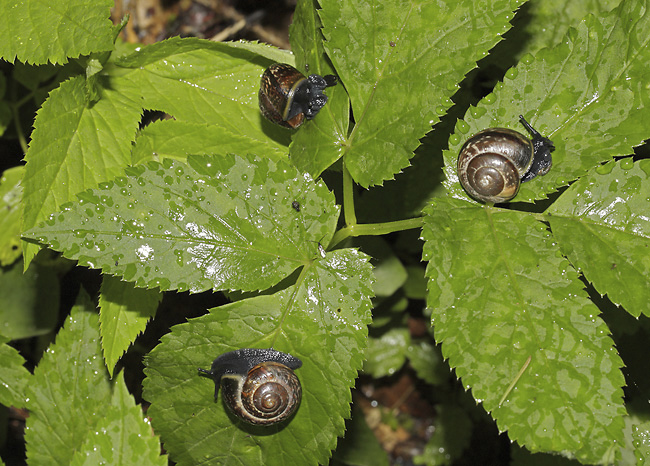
(493, 162)
(287, 97)
(258, 385)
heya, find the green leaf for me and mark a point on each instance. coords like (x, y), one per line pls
(221, 222)
(122, 435)
(389, 272)
(415, 286)
(11, 193)
(400, 81)
(321, 319)
(641, 434)
(386, 353)
(533, 26)
(37, 32)
(270, 52)
(514, 322)
(74, 147)
(14, 378)
(318, 143)
(29, 301)
(69, 391)
(601, 225)
(199, 81)
(522, 457)
(178, 139)
(125, 311)
(567, 93)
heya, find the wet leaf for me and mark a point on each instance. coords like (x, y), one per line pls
(122, 435)
(13, 375)
(317, 144)
(69, 391)
(11, 194)
(569, 93)
(533, 26)
(513, 320)
(401, 81)
(125, 311)
(178, 139)
(322, 319)
(37, 32)
(199, 81)
(602, 226)
(641, 434)
(522, 457)
(221, 222)
(74, 147)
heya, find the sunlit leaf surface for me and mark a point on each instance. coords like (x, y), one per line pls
(222, 222)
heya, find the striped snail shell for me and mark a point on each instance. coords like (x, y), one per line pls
(287, 97)
(257, 385)
(493, 162)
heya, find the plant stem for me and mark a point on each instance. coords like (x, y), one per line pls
(374, 229)
(348, 198)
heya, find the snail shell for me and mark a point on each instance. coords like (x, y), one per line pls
(287, 97)
(258, 385)
(493, 162)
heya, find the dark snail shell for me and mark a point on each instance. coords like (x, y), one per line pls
(493, 162)
(258, 385)
(287, 97)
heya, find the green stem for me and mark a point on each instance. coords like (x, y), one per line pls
(348, 198)
(374, 229)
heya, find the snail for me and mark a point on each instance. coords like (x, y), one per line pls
(258, 385)
(287, 97)
(493, 162)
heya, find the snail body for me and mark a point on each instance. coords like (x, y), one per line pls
(258, 385)
(493, 162)
(287, 97)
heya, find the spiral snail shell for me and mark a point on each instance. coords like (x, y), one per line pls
(287, 97)
(258, 385)
(493, 162)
